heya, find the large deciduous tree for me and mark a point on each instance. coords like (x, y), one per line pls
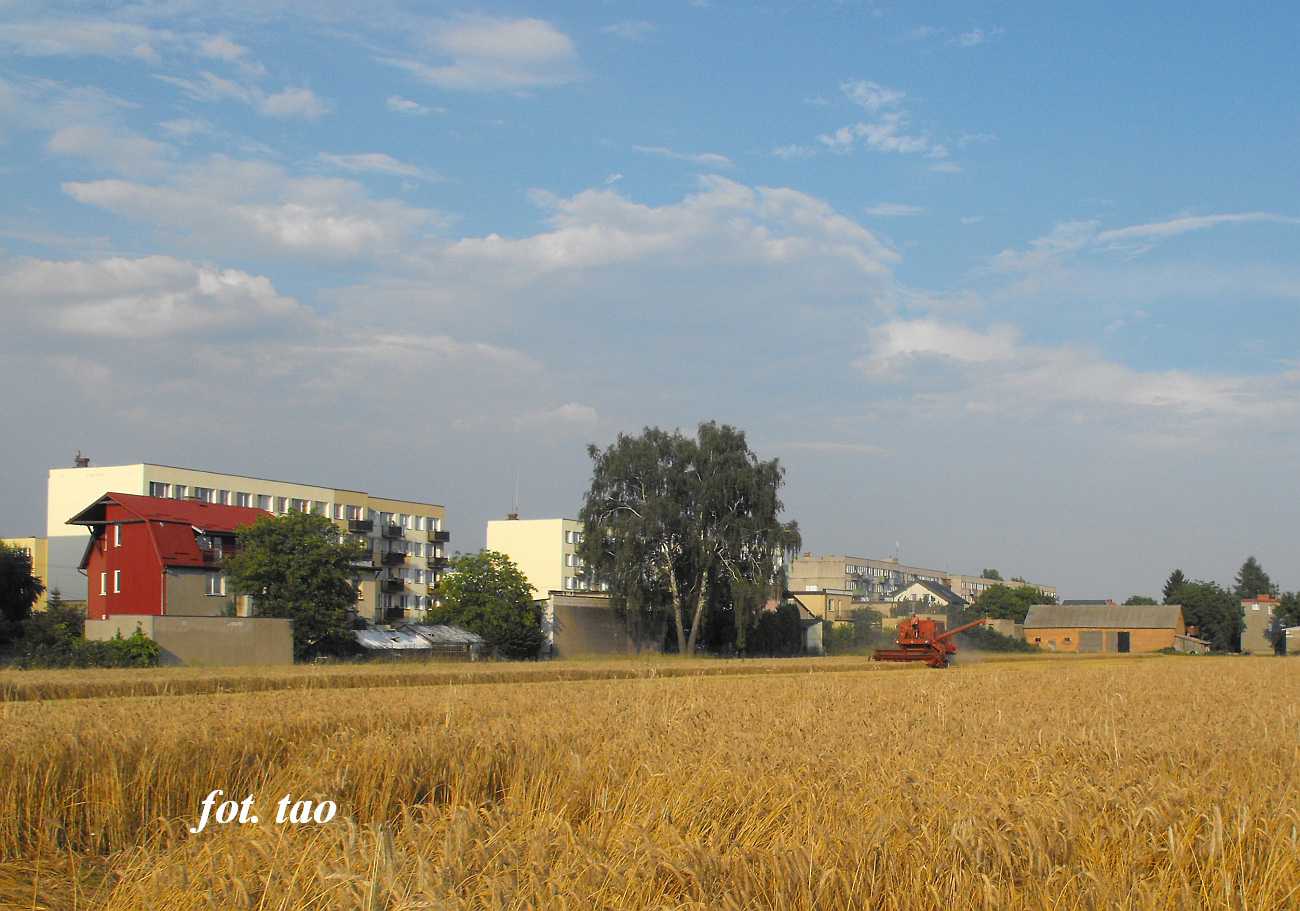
(1002, 602)
(1252, 581)
(677, 525)
(19, 590)
(1215, 613)
(296, 566)
(486, 593)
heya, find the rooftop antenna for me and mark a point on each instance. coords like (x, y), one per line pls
(514, 512)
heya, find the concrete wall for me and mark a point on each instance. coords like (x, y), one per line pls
(206, 641)
(187, 597)
(584, 626)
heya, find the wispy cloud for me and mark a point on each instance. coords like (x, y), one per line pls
(888, 131)
(705, 159)
(400, 105)
(376, 163)
(488, 55)
(152, 297)
(991, 371)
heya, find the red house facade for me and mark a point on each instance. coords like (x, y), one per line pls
(149, 555)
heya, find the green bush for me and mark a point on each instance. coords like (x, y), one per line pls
(983, 639)
(55, 639)
(863, 633)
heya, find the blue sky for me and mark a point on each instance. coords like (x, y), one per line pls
(1001, 285)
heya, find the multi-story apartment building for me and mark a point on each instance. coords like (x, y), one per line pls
(36, 551)
(876, 580)
(545, 550)
(404, 540)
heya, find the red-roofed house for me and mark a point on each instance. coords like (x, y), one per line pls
(149, 555)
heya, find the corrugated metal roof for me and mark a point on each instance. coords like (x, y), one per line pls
(396, 639)
(417, 636)
(1102, 616)
(442, 634)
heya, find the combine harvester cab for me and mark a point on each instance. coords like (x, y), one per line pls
(924, 640)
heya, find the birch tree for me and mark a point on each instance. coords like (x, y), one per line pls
(675, 525)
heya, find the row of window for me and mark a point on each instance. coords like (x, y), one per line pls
(213, 583)
(281, 505)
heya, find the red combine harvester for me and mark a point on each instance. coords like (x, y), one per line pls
(923, 640)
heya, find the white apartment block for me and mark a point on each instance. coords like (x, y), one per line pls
(545, 550)
(404, 539)
(875, 580)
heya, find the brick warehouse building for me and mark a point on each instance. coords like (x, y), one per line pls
(1108, 628)
(153, 556)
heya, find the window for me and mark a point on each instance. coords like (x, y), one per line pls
(117, 581)
(204, 493)
(214, 584)
(223, 497)
(157, 489)
(263, 502)
(319, 507)
(244, 499)
(103, 583)
(182, 491)
(117, 535)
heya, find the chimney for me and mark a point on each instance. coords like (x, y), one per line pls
(81, 461)
(512, 516)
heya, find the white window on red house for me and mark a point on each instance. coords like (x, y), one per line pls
(117, 581)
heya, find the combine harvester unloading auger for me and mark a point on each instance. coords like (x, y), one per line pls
(924, 640)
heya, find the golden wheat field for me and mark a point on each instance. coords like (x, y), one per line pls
(1155, 783)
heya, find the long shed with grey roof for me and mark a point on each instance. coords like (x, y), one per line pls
(1107, 628)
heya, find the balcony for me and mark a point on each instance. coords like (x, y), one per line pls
(365, 558)
(439, 537)
(391, 531)
(393, 558)
(392, 586)
(213, 556)
(361, 526)
(437, 564)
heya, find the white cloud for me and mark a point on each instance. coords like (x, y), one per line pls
(84, 37)
(115, 149)
(908, 340)
(575, 413)
(497, 55)
(400, 105)
(706, 159)
(871, 95)
(292, 102)
(887, 132)
(253, 208)
(376, 163)
(991, 372)
(1055, 260)
(725, 223)
(152, 297)
(792, 152)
